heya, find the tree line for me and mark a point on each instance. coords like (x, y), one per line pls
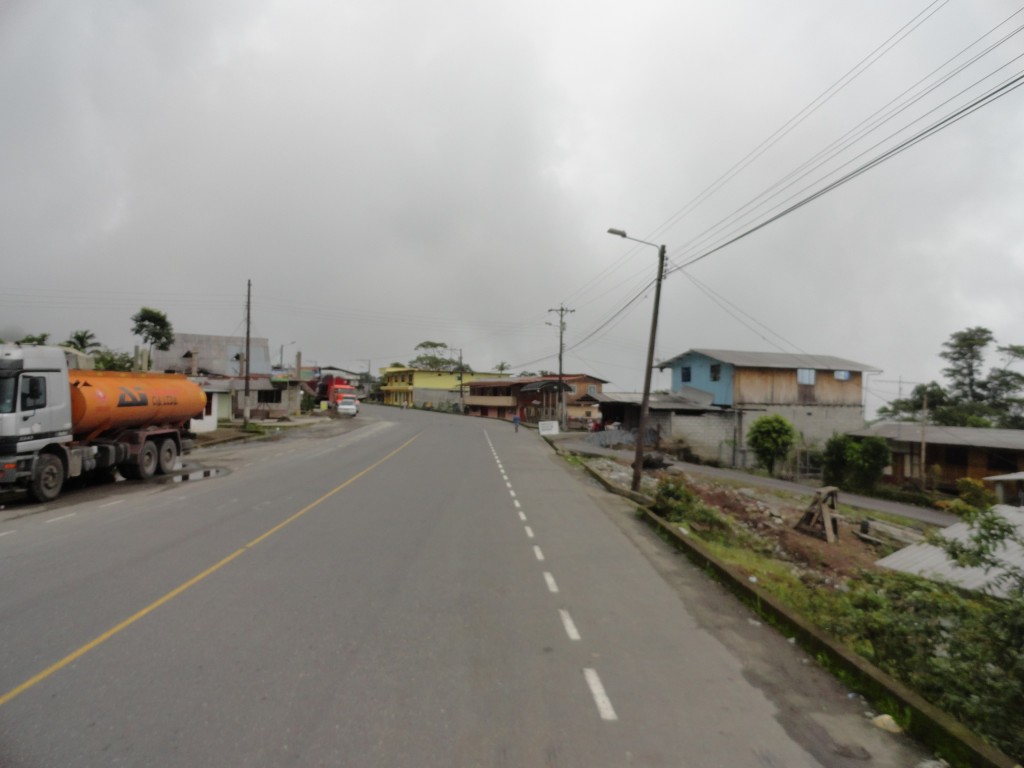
(972, 397)
(150, 324)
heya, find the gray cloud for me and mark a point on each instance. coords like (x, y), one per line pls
(392, 172)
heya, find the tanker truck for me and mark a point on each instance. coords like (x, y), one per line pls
(59, 422)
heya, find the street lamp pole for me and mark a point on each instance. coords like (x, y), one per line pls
(645, 402)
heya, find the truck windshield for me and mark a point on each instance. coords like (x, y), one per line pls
(7, 394)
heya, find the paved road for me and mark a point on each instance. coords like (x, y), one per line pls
(403, 589)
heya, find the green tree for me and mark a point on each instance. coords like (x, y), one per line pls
(40, 339)
(971, 399)
(834, 462)
(110, 360)
(437, 356)
(502, 367)
(154, 328)
(910, 408)
(83, 341)
(868, 459)
(855, 465)
(771, 438)
(965, 353)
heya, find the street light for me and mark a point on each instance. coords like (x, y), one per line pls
(645, 403)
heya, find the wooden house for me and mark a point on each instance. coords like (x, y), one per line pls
(820, 395)
(950, 453)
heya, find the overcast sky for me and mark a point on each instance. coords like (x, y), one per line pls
(392, 172)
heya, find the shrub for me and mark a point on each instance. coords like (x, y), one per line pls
(771, 438)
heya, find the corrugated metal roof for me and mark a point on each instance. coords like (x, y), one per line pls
(776, 360)
(689, 399)
(932, 562)
(570, 377)
(976, 437)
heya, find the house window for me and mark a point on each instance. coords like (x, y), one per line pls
(805, 376)
(716, 372)
(684, 374)
(1002, 461)
(955, 455)
(591, 389)
(571, 389)
(842, 375)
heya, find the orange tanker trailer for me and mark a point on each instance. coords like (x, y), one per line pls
(102, 401)
(58, 422)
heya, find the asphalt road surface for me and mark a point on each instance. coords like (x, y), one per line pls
(399, 589)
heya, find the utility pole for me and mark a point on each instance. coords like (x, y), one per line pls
(562, 312)
(645, 403)
(462, 391)
(248, 323)
(924, 422)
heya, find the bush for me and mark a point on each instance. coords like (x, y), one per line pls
(771, 438)
(676, 503)
(962, 652)
(974, 493)
(855, 465)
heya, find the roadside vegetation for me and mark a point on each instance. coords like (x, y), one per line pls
(962, 651)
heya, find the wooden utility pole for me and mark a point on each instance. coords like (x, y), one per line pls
(924, 422)
(248, 322)
(562, 312)
(645, 403)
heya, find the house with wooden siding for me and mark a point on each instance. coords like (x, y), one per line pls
(536, 398)
(950, 453)
(820, 395)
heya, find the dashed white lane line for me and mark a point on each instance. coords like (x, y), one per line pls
(570, 627)
(6, 533)
(601, 699)
(62, 517)
(604, 704)
(111, 504)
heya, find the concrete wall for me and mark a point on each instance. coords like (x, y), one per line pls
(815, 423)
(709, 435)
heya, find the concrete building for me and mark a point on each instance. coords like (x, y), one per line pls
(417, 388)
(217, 363)
(536, 398)
(820, 395)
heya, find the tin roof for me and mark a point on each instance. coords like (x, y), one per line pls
(688, 399)
(975, 437)
(775, 360)
(932, 562)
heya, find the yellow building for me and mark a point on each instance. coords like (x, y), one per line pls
(440, 390)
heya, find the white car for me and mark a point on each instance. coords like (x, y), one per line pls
(348, 406)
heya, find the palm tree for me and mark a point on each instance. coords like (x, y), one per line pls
(83, 341)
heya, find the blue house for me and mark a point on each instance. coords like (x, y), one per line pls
(819, 394)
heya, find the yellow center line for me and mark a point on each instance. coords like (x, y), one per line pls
(77, 654)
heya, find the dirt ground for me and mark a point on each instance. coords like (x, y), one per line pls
(773, 518)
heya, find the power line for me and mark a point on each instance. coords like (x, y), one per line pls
(1003, 89)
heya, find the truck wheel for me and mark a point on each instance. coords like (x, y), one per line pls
(168, 455)
(149, 460)
(47, 478)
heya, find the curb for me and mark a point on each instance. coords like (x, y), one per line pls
(925, 722)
